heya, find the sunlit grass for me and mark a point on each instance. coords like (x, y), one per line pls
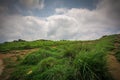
(73, 61)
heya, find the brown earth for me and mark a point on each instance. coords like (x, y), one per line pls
(113, 63)
(11, 56)
(114, 67)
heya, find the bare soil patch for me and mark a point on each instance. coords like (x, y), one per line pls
(12, 55)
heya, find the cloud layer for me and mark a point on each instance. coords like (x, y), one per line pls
(73, 24)
(111, 9)
(13, 7)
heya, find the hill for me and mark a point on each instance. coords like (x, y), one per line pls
(61, 60)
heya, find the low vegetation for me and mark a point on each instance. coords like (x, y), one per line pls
(22, 44)
(63, 60)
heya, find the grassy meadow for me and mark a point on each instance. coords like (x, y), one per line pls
(62, 60)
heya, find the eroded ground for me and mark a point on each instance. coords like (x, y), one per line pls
(9, 58)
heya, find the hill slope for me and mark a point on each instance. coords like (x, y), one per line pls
(60, 60)
(114, 58)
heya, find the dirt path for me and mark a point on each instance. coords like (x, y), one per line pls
(13, 55)
(114, 67)
(113, 63)
(1, 66)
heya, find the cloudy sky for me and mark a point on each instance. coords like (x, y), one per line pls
(58, 19)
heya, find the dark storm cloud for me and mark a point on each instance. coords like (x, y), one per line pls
(31, 4)
(8, 6)
(7, 2)
(19, 6)
(111, 8)
(89, 4)
(114, 9)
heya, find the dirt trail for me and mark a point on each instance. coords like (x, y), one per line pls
(114, 67)
(12, 54)
(1, 66)
(113, 63)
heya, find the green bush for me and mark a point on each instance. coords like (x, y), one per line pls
(46, 64)
(35, 57)
(20, 73)
(58, 72)
(31, 59)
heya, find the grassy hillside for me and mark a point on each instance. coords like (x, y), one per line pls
(21, 44)
(63, 60)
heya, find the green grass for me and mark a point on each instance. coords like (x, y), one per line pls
(21, 45)
(66, 60)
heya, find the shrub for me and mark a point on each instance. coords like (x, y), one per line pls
(46, 63)
(31, 59)
(35, 57)
(58, 72)
(91, 66)
(20, 73)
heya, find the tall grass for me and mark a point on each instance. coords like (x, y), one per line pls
(78, 61)
(21, 45)
(35, 57)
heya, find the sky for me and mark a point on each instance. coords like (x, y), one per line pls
(58, 19)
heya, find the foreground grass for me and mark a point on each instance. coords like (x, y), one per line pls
(70, 61)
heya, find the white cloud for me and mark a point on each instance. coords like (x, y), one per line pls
(75, 23)
(79, 24)
(61, 27)
(22, 27)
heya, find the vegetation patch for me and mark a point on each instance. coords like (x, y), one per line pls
(65, 60)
